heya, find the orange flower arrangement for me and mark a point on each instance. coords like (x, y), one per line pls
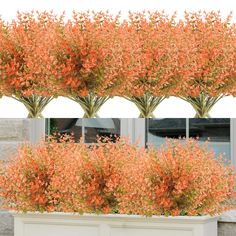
(212, 69)
(93, 178)
(154, 60)
(87, 50)
(177, 179)
(27, 68)
(180, 178)
(26, 184)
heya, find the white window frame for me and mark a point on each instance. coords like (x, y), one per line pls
(233, 141)
(36, 130)
(134, 129)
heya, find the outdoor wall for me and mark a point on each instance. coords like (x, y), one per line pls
(12, 133)
(226, 228)
(6, 224)
(227, 224)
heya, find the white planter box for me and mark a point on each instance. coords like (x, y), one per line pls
(64, 224)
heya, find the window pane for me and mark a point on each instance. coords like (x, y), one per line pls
(91, 128)
(64, 126)
(100, 127)
(160, 129)
(217, 130)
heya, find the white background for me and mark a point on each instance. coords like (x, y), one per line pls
(116, 107)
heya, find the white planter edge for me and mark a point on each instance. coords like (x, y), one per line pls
(71, 224)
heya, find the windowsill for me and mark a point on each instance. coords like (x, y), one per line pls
(229, 216)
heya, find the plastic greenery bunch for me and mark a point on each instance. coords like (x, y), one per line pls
(26, 182)
(154, 59)
(212, 60)
(96, 176)
(180, 178)
(87, 53)
(61, 175)
(26, 65)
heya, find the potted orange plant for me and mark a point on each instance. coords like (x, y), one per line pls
(67, 187)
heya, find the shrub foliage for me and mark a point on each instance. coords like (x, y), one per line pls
(180, 178)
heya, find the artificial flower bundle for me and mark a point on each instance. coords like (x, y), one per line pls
(212, 61)
(27, 67)
(95, 56)
(180, 178)
(88, 52)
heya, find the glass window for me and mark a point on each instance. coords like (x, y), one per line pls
(99, 127)
(216, 130)
(90, 129)
(160, 129)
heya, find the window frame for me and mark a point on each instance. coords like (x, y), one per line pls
(233, 141)
(37, 129)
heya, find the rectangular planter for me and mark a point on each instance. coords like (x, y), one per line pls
(65, 224)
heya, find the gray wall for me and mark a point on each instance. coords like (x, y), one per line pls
(12, 133)
(226, 228)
